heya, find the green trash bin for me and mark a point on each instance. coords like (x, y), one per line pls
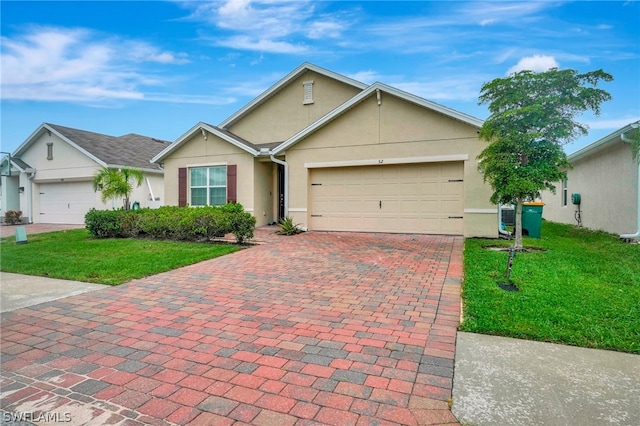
(532, 219)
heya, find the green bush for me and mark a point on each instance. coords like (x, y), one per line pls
(164, 223)
(104, 223)
(13, 217)
(173, 223)
(130, 223)
(238, 222)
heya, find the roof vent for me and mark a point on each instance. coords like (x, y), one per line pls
(308, 92)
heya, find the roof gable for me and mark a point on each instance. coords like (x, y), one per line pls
(124, 151)
(10, 162)
(293, 75)
(278, 147)
(603, 143)
(374, 90)
(214, 130)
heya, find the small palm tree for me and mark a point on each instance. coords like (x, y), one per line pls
(116, 183)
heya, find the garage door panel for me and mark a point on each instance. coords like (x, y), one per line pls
(451, 207)
(400, 207)
(389, 198)
(452, 186)
(366, 190)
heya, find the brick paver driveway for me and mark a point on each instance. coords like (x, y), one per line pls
(320, 328)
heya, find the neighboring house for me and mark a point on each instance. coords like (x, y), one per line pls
(338, 155)
(52, 173)
(605, 175)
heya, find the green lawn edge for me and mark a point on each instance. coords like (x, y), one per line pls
(76, 255)
(581, 289)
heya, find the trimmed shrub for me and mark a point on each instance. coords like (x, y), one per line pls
(130, 223)
(240, 223)
(104, 223)
(173, 223)
(13, 217)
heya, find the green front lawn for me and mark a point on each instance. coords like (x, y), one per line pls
(582, 290)
(75, 255)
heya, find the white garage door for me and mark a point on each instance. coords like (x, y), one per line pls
(66, 202)
(408, 198)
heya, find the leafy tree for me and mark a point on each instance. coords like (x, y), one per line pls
(117, 183)
(532, 117)
(635, 145)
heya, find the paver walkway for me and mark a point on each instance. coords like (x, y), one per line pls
(320, 328)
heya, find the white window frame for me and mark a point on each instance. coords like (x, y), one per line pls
(565, 193)
(208, 186)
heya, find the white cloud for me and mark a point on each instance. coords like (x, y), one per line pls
(78, 65)
(505, 55)
(612, 124)
(262, 45)
(270, 19)
(191, 99)
(321, 29)
(536, 63)
(452, 88)
(274, 26)
(144, 52)
(250, 87)
(489, 13)
(52, 63)
(368, 76)
(453, 24)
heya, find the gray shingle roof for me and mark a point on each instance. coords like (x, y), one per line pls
(18, 162)
(129, 150)
(244, 141)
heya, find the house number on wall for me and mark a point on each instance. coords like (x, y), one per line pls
(380, 161)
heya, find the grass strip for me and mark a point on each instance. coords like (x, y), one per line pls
(75, 255)
(583, 289)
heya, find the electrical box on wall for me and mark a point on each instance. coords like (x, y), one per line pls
(575, 198)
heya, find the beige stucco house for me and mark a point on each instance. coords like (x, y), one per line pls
(51, 179)
(606, 177)
(338, 155)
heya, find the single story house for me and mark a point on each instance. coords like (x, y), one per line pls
(606, 179)
(336, 154)
(51, 173)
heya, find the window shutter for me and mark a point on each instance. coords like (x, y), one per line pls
(182, 186)
(232, 185)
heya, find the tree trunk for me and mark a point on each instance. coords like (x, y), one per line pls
(126, 203)
(518, 231)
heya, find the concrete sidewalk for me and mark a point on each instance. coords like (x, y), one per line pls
(503, 381)
(20, 291)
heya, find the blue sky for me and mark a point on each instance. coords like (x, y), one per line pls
(158, 68)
